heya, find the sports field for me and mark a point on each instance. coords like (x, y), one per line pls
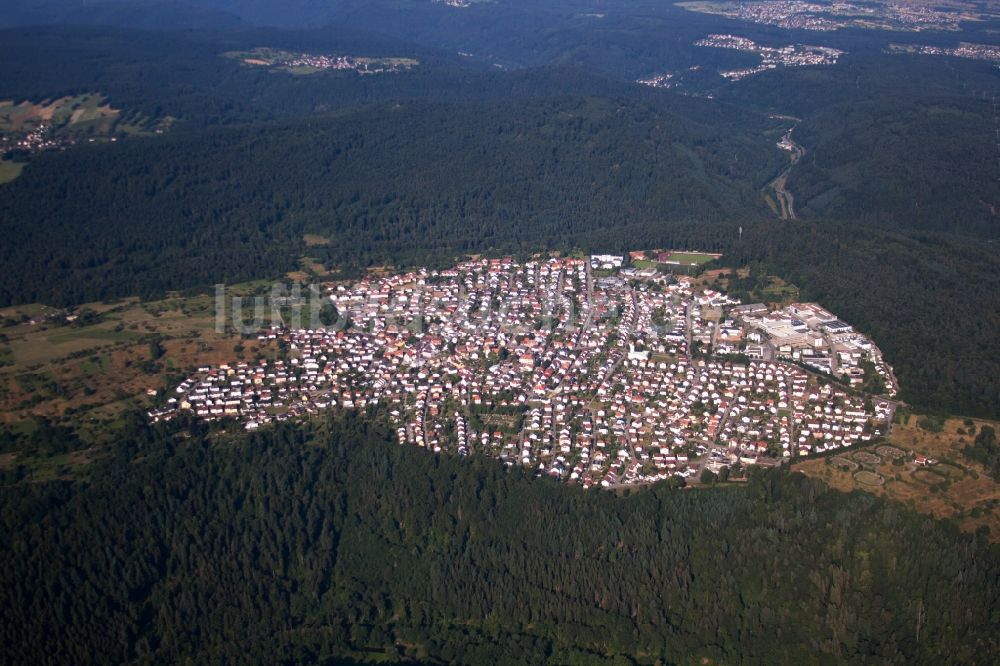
(691, 258)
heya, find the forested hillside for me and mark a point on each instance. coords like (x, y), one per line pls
(307, 543)
(398, 183)
(881, 164)
(889, 172)
(901, 142)
(185, 75)
(149, 14)
(518, 129)
(524, 160)
(930, 301)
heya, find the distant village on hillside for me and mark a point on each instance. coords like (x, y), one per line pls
(793, 55)
(309, 63)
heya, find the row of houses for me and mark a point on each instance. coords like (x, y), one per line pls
(540, 365)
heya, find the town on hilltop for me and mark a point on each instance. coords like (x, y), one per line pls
(793, 55)
(311, 63)
(827, 17)
(604, 371)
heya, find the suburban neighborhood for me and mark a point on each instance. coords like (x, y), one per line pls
(596, 371)
(793, 55)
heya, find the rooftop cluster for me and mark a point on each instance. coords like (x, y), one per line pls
(793, 55)
(33, 140)
(804, 15)
(308, 62)
(586, 370)
(964, 50)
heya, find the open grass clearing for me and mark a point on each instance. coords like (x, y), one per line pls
(841, 461)
(955, 488)
(83, 373)
(9, 171)
(869, 478)
(691, 258)
(315, 240)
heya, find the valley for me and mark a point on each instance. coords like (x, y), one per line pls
(786, 200)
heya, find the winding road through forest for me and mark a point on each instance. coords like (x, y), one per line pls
(786, 200)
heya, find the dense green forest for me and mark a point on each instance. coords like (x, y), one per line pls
(183, 74)
(309, 543)
(903, 142)
(889, 172)
(627, 38)
(541, 158)
(418, 182)
(146, 14)
(928, 299)
(520, 130)
(394, 183)
(985, 449)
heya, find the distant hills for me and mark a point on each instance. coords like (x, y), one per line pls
(144, 14)
(523, 130)
(478, 150)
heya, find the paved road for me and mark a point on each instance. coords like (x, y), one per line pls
(687, 317)
(834, 361)
(725, 417)
(786, 200)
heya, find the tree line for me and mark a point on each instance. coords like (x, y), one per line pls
(327, 541)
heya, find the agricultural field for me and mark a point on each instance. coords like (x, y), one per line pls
(10, 170)
(88, 113)
(27, 127)
(952, 487)
(87, 367)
